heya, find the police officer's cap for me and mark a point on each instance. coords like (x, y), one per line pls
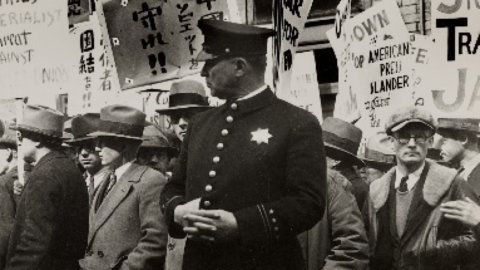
(232, 39)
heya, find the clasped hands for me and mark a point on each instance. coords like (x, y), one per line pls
(206, 225)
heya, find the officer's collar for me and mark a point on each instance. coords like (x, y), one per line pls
(261, 99)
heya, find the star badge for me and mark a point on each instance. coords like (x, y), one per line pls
(261, 135)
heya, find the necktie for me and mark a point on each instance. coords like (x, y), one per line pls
(106, 187)
(91, 189)
(403, 184)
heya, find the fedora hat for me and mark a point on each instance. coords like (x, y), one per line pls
(9, 137)
(342, 140)
(378, 151)
(120, 121)
(459, 124)
(186, 94)
(42, 120)
(154, 138)
(83, 125)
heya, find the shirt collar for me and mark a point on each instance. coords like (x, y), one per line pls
(412, 178)
(97, 178)
(468, 168)
(254, 93)
(120, 171)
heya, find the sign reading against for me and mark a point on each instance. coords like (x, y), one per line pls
(78, 11)
(289, 19)
(154, 41)
(36, 55)
(94, 69)
(304, 91)
(455, 58)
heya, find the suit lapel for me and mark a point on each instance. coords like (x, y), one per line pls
(113, 199)
(419, 208)
(474, 180)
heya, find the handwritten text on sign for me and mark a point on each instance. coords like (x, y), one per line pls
(35, 50)
(154, 41)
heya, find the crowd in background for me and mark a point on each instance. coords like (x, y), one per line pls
(253, 184)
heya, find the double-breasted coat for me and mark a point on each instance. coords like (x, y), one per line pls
(127, 231)
(51, 223)
(263, 160)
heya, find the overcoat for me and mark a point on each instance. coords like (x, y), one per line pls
(51, 226)
(7, 211)
(263, 160)
(127, 231)
(474, 180)
(339, 240)
(430, 241)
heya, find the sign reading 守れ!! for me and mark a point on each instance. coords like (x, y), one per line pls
(455, 72)
(154, 41)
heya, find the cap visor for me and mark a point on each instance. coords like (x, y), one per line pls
(403, 124)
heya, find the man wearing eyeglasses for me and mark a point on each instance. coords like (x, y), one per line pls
(95, 172)
(407, 229)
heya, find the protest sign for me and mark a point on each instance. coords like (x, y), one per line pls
(78, 11)
(94, 69)
(289, 19)
(304, 91)
(421, 49)
(36, 56)
(154, 41)
(455, 80)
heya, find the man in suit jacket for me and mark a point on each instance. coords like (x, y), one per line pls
(460, 146)
(95, 173)
(255, 166)
(51, 226)
(127, 230)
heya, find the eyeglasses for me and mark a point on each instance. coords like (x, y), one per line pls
(404, 139)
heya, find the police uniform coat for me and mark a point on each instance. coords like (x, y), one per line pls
(263, 160)
(51, 226)
(127, 231)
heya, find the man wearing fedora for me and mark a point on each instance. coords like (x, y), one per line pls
(251, 173)
(127, 230)
(407, 230)
(95, 173)
(155, 150)
(187, 98)
(460, 147)
(379, 156)
(51, 226)
(342, 140)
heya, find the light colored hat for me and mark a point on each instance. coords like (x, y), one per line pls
(186, 94)
(42, 120)
(406, 115)
(154, 138)
(341, 139)
(120, 121)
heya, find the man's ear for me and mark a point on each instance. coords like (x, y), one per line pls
(240, 66)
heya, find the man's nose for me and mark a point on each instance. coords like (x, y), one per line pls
(411, 142)
(183, 123)
(204, 72)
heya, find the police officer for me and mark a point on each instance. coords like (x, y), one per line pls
(251, 173)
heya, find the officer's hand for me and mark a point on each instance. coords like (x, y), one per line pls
(184, 209)
(17, 188)
(465, 211)
(212, 225)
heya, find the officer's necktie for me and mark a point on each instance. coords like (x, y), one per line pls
(91, 190)
(403, 184)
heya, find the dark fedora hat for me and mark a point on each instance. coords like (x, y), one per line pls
(186, 94)
(223, 39)
(42, 120)
(378, 151)
(9, 137)
(342, 140)
(83, 125)
(120, 121)
(471, 125)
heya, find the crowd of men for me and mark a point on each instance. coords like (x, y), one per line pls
(256, 183)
